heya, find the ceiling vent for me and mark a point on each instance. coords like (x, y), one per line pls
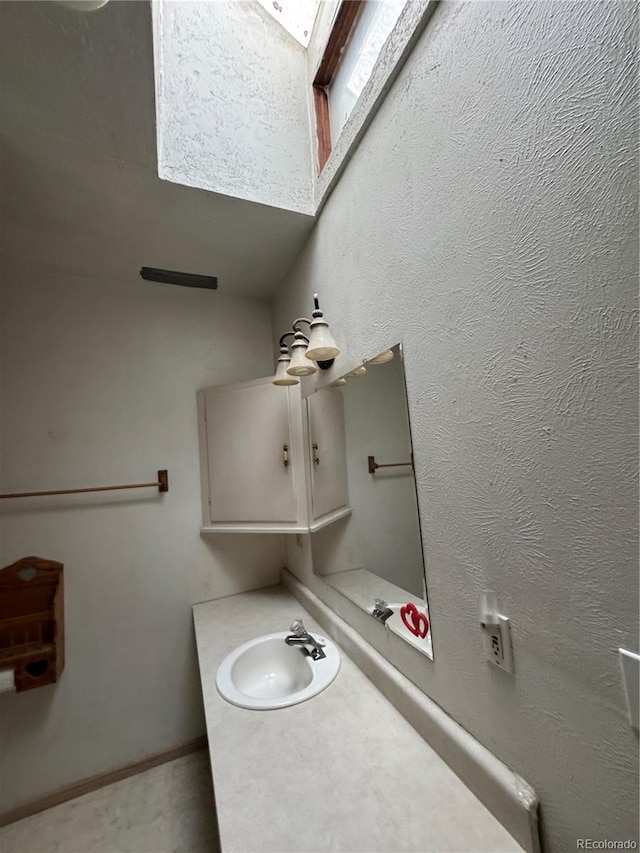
(185, 279)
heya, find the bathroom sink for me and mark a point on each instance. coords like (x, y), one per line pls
(266, 673)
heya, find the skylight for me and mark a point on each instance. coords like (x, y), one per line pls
(358, 57)
(296, 16)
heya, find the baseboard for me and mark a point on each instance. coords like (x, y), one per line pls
(92, 783)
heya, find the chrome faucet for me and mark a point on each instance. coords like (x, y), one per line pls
(381, 610)
(301, 637)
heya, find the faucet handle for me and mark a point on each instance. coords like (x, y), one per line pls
(298, 628)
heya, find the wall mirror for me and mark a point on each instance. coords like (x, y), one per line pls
(373, 556)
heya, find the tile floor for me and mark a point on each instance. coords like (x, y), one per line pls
(169, 809)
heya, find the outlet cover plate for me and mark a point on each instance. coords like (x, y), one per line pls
(497, 640)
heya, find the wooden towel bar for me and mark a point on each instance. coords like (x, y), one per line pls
(162, 484)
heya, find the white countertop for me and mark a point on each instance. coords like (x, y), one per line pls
(343, 771)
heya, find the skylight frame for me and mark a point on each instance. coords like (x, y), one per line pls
(395, 52)
(343, 26)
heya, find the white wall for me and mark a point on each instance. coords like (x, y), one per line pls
(488, 220)
(99, 375)
(98, 387)
(232, 103)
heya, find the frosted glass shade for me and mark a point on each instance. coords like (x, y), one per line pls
(282, 377)
(300, 364)
(84, 5)
(359, 371)
(321, 347)
(383, 358)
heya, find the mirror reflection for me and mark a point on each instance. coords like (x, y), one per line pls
(374, 555)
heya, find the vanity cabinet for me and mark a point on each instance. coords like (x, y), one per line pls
(256, 464)
(251, 458)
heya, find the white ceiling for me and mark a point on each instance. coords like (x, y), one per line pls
(79, 160)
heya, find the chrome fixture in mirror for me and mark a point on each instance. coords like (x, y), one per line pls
(374, 556)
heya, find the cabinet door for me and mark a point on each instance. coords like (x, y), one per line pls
(247, 430)
(328, 451)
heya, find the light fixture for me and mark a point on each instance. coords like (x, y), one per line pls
(300, 364)
(337, 383)
(282, 377)
(84, 5)
(383, 358)
(322, 347)
(307, 353)
(359, 371)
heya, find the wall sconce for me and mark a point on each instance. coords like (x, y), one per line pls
(282, 377)
(300, 364)
(382, 358)
(319, 347)
(84, 5)
(359, 371)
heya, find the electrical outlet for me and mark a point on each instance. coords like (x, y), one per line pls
(497, 642)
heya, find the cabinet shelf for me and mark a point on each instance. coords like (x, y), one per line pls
(251, 527)
(329, 518)
(27, 651)
(255, 527)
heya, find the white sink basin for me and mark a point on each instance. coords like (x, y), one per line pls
(266, 673)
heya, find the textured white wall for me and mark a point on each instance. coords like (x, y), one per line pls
(488, 220)
(98, 387)
(232, 104)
